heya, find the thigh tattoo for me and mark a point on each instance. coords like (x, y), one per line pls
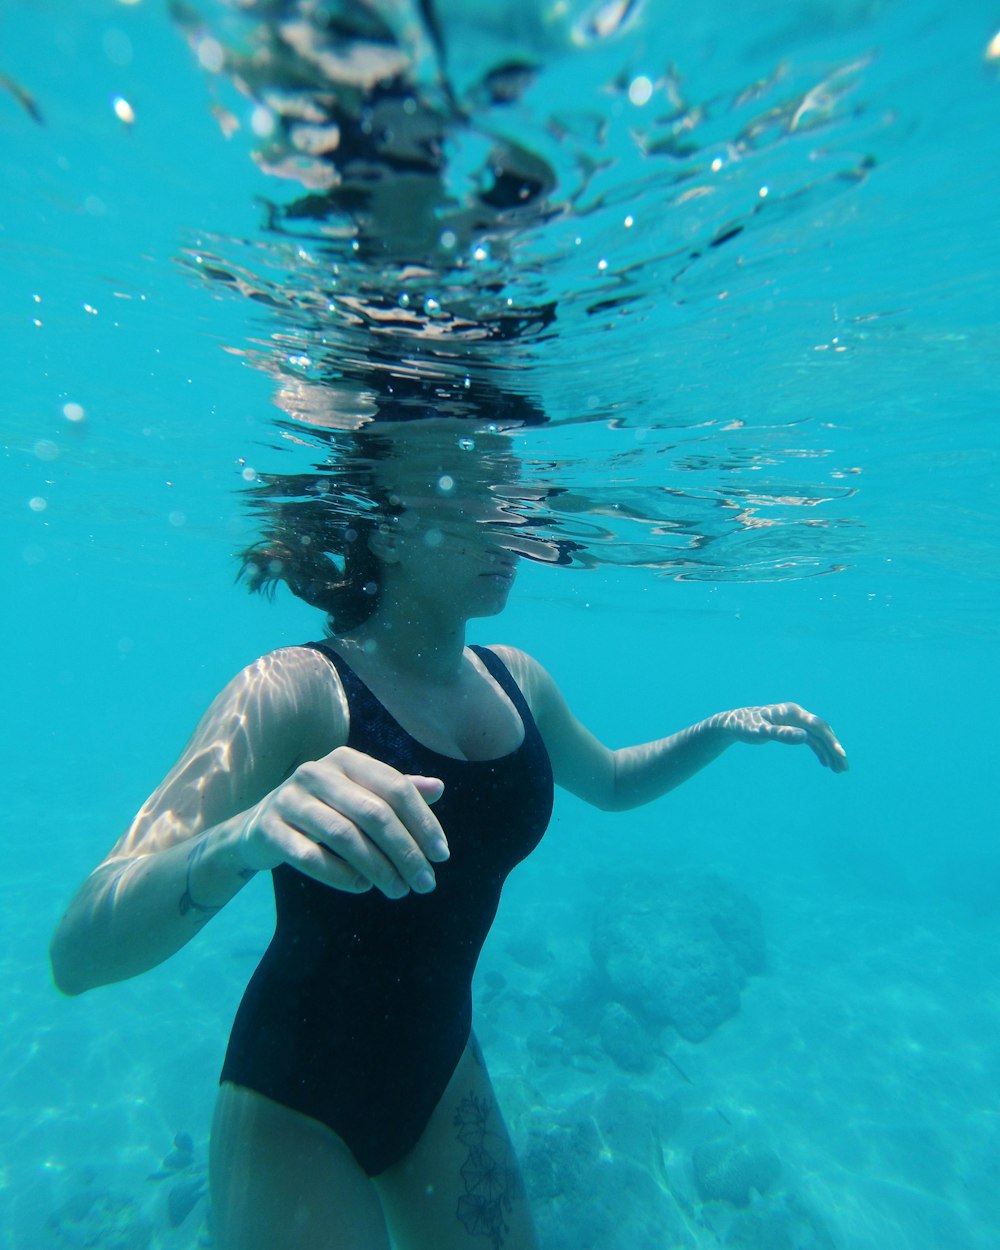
(490, 1175)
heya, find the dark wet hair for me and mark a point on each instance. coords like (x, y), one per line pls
(318, 545)
(345, 588)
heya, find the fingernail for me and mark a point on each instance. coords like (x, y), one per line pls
(424, 881)
(440, 851)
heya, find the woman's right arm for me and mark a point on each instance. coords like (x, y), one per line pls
(257, 785)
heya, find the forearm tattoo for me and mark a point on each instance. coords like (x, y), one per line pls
(187, 904)
(489, 1175)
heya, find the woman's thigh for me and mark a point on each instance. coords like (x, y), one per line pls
(280, 1180)
(460, 1187)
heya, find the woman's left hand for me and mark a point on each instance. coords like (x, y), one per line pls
(784, 722)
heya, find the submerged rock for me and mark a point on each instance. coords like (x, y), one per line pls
(102, 1220)
(784, 1223)
(677, 949)
(731, 1169)
(545, 1049)
(624, 1039)
(528, 951)
(634, 1123)
(593, 1175)
(183, 1198)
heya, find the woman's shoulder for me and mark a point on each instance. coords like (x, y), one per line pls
(290, 668)
(291, 685)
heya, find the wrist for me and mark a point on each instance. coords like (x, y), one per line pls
(246, 846)
(717, 729)
(214, 872)
(188, 901)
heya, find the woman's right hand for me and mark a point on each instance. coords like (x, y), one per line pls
(350, 822)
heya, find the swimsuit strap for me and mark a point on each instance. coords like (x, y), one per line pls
(355, 689)
(504, 678)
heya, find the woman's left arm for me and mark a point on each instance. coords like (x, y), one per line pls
(631, 776)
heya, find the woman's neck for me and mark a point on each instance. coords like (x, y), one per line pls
(411, 644)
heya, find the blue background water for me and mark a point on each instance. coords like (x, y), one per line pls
(867, 1056)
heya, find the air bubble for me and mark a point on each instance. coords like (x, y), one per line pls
(74, 412)
(445, 484)
(467, 444)
(262, 122)
(210, 54)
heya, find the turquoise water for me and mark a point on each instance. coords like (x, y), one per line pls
(831, 368)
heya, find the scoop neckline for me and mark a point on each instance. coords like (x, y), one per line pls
(441, 755)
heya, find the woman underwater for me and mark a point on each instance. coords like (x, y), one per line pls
(389, 777)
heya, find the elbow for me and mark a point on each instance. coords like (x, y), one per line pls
(613, 803)
(67, 973)
(611, 799)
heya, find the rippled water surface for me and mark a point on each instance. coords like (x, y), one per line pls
(726, 283)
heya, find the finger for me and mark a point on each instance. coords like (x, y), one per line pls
(400, 792)
(820, 749)
(329, 869)
(339, 833)
(823, 741)
(838, 756)
(821, 737)
(374, 819)
(304, 854)
(430, 788)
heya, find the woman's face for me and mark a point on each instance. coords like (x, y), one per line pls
(458, 529)
(455, 535)
(452, 550)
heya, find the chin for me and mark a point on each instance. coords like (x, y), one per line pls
(495, 603)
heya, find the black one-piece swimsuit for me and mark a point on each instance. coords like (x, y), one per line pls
(361, 1007)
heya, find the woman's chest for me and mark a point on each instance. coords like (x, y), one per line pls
(474, 722)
